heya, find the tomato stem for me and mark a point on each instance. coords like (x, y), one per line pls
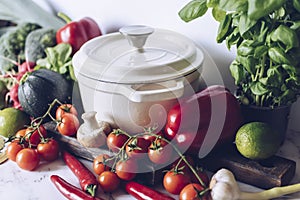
(182, 157)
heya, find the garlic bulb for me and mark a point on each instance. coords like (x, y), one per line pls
(92, 133)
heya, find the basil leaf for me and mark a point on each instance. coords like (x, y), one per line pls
(278, 56)
(257, 88)
(233, 5)
(285, 35)
(245, 23)
(218, 14)
(296, 25)
(260, 51)
(237, 72)
(248, 62)
(296, 4)
(212, 3)
(193, 10)
(224, 28)
(262, 8)
(245, 49)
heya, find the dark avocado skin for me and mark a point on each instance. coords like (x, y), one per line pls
(39, 90)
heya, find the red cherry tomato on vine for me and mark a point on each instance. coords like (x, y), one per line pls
(27, 159)
(160, 152)
(65, 108)
(115, 141)
(102, 163)
(137, 147)
(174, 182)
(34, 135)
(108, 181)
(126, 169)
(192, 192)
(48, 150)
(13, 149)
(68, 124)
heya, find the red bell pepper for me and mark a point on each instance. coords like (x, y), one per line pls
(200, 122)
(76, 33)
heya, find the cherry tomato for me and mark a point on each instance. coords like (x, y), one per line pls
(137, 147)
(151, 138)
(68, 124)
(27, 159)
(115, 141)
(192, 192)
(126, 169)
(174, 182)
(101, 163)
(160, 152)
(48, 150)
(13, 149)
(21, 133)
(108, 181)
(33, 135)
(65, 108)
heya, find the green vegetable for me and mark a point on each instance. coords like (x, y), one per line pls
(39, 88)
(58, 59)
(12, 45)
(37, 41)
(266, 34)
(20, 11)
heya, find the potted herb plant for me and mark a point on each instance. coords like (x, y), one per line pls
(266, 69)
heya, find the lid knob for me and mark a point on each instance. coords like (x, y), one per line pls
(136, 34)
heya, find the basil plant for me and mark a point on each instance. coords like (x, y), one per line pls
(266, 34)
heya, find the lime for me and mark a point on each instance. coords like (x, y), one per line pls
(257, 140)
(12, 120)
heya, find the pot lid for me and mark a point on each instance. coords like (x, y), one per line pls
(138, 54)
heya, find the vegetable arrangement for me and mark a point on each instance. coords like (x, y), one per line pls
(266, 35)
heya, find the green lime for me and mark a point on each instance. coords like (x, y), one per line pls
(12, 120)
(257, 140)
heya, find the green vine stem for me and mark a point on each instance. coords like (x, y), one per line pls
(150, 133)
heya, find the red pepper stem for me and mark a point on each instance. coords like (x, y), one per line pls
(91, 189)
(64, 17)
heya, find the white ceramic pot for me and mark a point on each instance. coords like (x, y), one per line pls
(133, 77)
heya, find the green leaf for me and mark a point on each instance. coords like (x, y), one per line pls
(233, 38)
(274, 77)
(237, 72)
(19, 11)
(245, 23)
(248, 63)
(218, 14)
(245, 49)
(285, 35)
(260, 51)
(296, 25)
(257, 88)
(278, 56)
(233, 5)
(296, 4)
(262, 8)
(193, 10)
(224, 28)
(212, 3)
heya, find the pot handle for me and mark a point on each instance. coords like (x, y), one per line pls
(153, 95)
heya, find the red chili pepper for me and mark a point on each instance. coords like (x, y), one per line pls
(142, 192)
(70, 191)
(214, 110)
(87, 179)
(76, 33)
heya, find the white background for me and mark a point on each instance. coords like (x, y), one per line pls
(113, 14)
